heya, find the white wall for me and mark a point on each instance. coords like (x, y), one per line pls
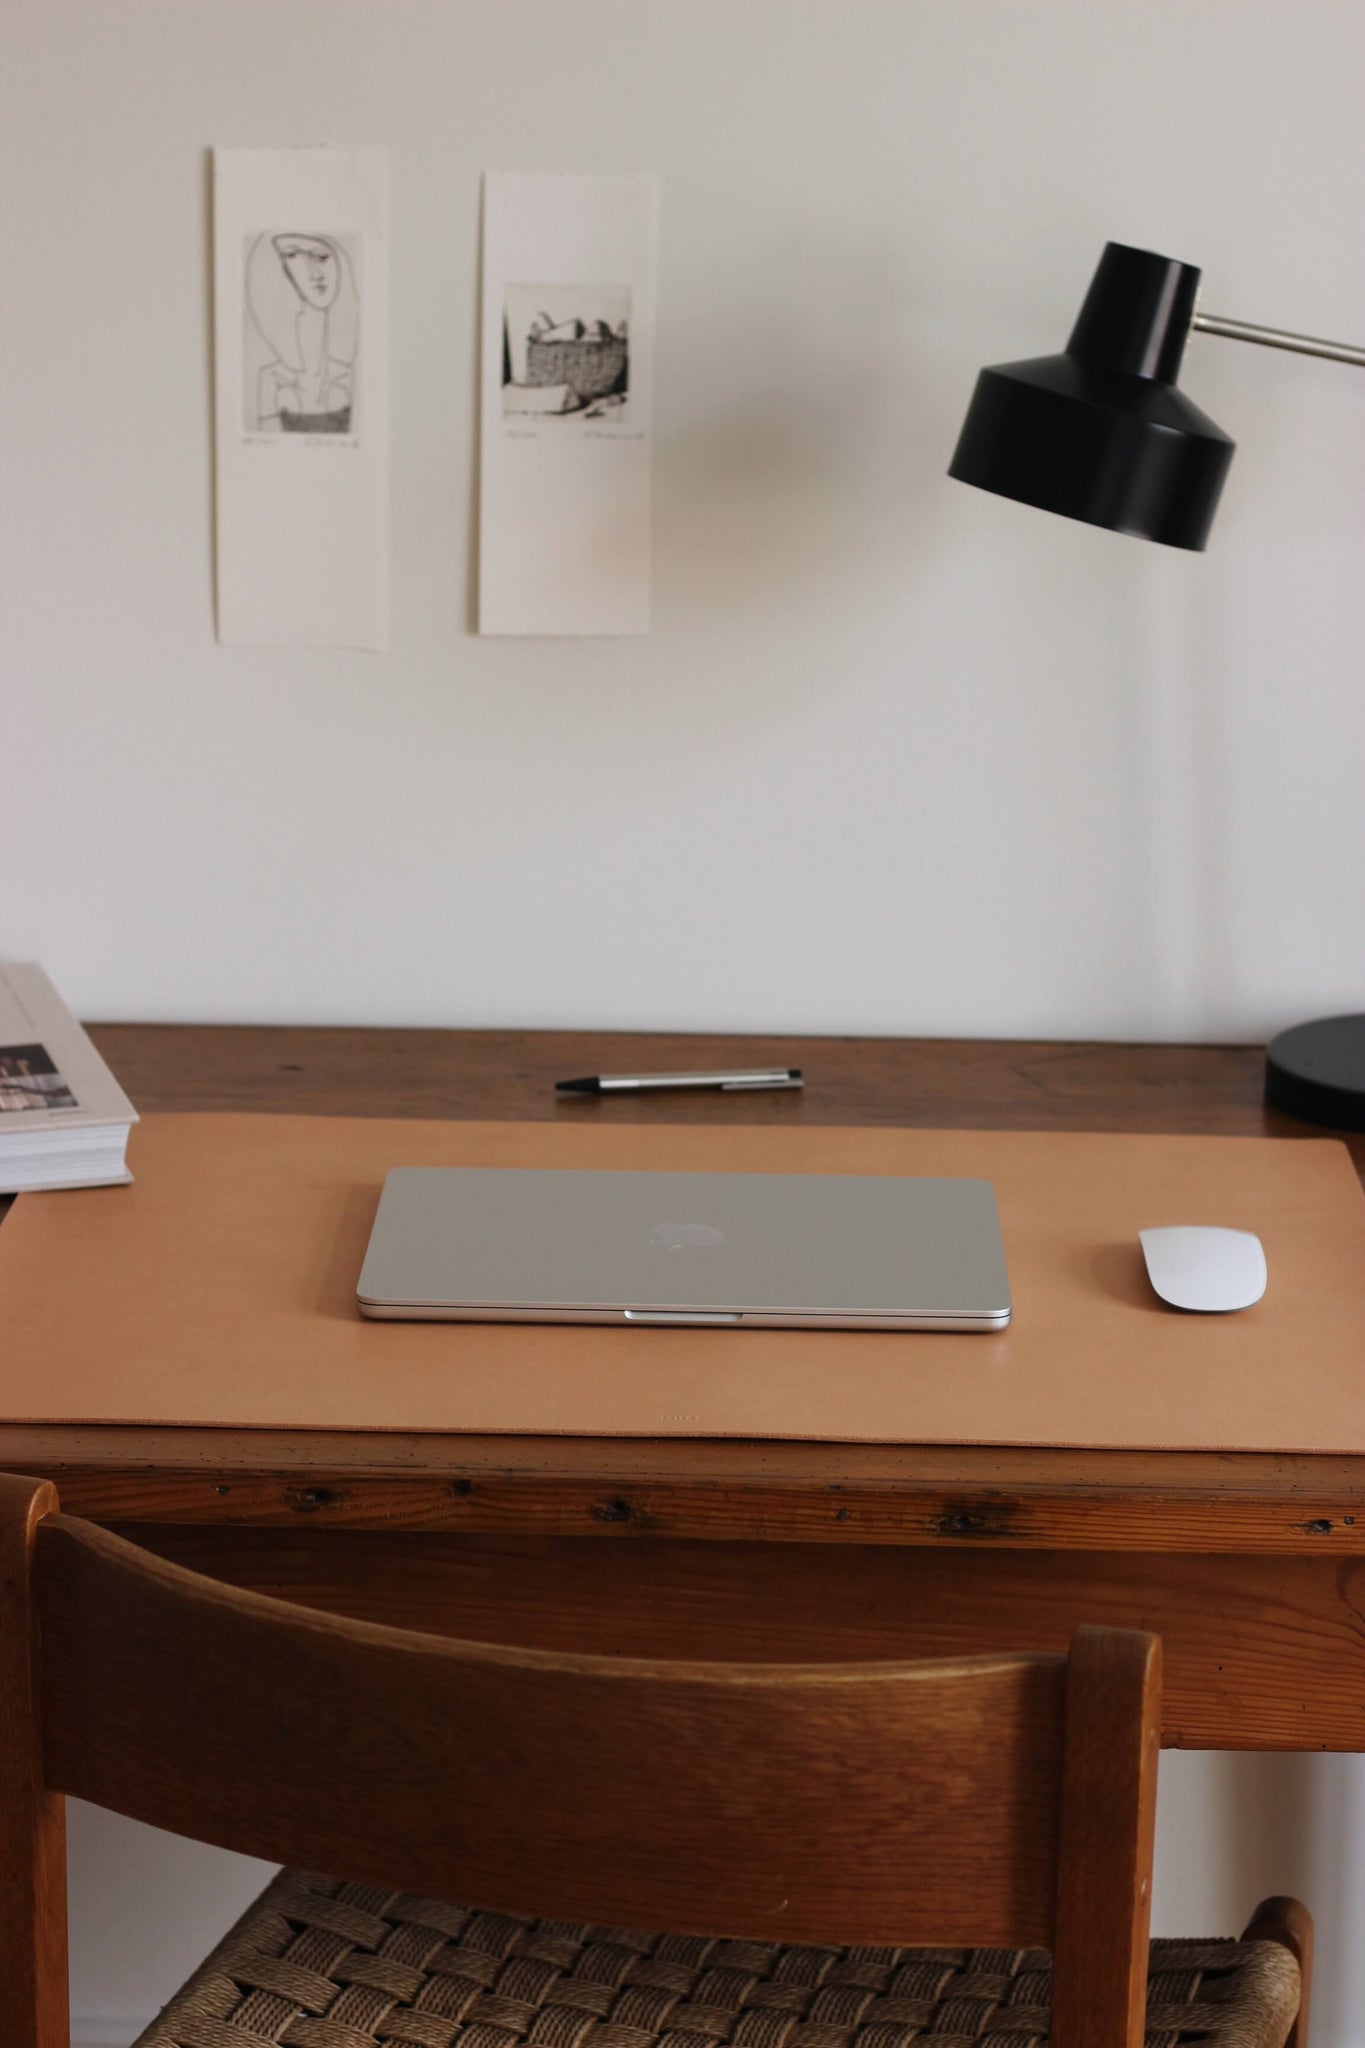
(995, 773)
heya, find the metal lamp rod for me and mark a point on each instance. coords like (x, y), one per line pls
(1276, 337)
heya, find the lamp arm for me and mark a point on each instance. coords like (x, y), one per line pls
(1276, 337)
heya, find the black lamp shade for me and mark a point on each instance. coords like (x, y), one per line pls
(1101, 433)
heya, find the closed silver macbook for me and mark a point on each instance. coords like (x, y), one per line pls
(772, 1251)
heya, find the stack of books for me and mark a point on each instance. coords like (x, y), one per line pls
(64, 1120)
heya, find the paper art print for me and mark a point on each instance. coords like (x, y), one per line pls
(29, 1080)
(566, 352)
(566, 401)
(301, 365)
(301, 326)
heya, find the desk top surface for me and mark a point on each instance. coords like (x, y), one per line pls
(823, 1492)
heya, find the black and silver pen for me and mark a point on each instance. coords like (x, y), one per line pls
(614, 1084)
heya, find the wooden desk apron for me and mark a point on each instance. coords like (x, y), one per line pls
(219, 1290)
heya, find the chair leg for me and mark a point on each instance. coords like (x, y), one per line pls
(33, 1982)
(1290, 1923)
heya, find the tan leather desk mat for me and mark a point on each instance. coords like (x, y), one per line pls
(219, 1289)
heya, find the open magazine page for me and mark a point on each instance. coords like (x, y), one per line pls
(50, 1074)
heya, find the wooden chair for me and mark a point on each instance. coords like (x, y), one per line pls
(792, 1827)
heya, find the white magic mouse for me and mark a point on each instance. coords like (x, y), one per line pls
(1202, 1267)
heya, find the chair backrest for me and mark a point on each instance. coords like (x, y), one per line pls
(990, 1801)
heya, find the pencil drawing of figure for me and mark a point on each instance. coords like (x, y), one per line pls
(302, 309)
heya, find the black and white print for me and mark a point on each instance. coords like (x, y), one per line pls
(301, 326)
(566, 352)
(29, 1080)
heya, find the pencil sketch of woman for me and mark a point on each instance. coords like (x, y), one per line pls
(301, 302)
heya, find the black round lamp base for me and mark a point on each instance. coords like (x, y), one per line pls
(1317, 1071)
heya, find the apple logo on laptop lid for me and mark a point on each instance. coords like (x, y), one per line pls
(682, 1237)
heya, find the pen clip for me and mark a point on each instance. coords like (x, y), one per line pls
(738, 1087)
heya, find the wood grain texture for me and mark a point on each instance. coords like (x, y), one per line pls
(33, 1962)
(1260, 1653)
(939, 1084)
(953, 1498)
(1104, 1872)
(927, 1496)
(869, 1803)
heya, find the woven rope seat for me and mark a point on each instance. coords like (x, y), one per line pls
(316, 1963)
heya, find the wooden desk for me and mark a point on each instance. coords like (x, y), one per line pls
(1251, 1567)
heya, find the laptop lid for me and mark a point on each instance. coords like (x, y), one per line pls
(771, 1250)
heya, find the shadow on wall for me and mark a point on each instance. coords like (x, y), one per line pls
(820, 442)
(145, 1910)
(1233, 1828)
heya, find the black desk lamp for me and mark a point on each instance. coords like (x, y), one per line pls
(1101, 433)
